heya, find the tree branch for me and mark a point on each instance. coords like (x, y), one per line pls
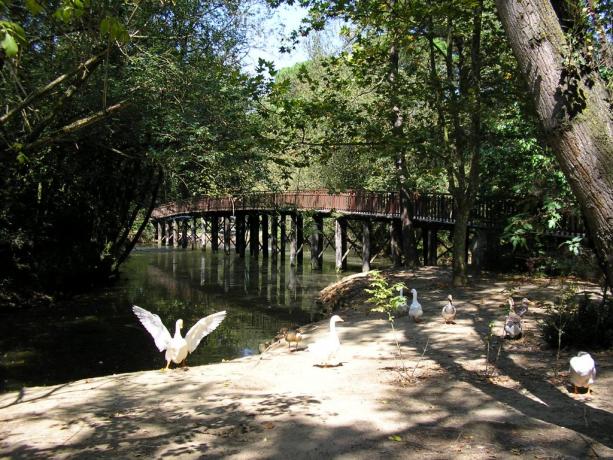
(75, 126)
(36, 94)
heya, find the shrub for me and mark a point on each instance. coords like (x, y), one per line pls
(579, 321)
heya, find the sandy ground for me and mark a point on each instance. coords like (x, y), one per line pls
(279, 405)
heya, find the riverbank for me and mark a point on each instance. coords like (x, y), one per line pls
(279, 405)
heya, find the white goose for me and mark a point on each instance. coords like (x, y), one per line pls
(449, 310)
(582, 371)
(177, 347)
(326, 349)
(415, 310)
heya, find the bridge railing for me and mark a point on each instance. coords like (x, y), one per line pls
(436, 208)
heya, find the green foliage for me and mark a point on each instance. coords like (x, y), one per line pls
(518, 230)
(578, 320)
(12, 36)
(71, 189)
(384, 296)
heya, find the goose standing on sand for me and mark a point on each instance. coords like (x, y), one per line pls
(582, 371)
(326, 349)
(177, 347)
(449, 311)
(415, 310)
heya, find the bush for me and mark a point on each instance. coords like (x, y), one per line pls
(579, 321)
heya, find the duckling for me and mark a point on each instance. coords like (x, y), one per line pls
(582, 371)
(415, 310)
(262, 347)
(512, 326)
(293, 337)
(449, 311)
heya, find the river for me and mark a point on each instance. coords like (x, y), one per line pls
(97, 333)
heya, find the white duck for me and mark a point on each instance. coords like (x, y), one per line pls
(177, 347)
(326, 349)
(582, 371)
(449, 310)
(415, 310)
(403, 307)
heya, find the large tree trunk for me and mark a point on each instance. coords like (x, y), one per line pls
(460, 230)
(573, 110)
(409, 245)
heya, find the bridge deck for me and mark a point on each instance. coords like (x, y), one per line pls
(428, 208)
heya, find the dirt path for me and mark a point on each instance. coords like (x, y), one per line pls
(278, 405)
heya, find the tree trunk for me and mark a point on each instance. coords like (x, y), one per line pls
(409, 245)
(573, 110)
(460, 230)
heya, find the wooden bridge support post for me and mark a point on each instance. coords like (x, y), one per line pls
(265, 235)
(254, 230)
(175, 233)
(365, 246)
(227, 234)
(184, 233)
(215, 233)
(340, 243)
(159, 227)
(240, 235)
(283, 235)
(274, 235)
(167, 233)
(299, 239)
(317, 243)
(425, 233)
(203, 237)
(432, 246)
(293, 244)
(193, 242)
(478, 249)
(396, 242)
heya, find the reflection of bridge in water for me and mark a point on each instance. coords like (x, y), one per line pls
(261, 295)
(259, 221)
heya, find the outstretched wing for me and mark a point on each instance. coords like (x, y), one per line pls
(203, 328)
(154, 326)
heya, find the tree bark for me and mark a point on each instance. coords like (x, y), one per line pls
(409, 245)
(574, 112)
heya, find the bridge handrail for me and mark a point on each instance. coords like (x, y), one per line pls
(426, 207)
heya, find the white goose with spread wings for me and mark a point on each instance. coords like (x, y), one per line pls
(177, 348)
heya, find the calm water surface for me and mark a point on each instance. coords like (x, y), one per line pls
(97, 334)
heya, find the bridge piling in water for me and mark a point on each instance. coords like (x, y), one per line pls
(365, 246)
(265, 236)
(215, 233)
(432, 213)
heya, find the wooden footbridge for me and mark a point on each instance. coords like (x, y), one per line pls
(258, 221)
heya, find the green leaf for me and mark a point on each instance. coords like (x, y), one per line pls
(114, 29)
(21, 158)
(33, 6)
(9, 45)
(395, 437)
